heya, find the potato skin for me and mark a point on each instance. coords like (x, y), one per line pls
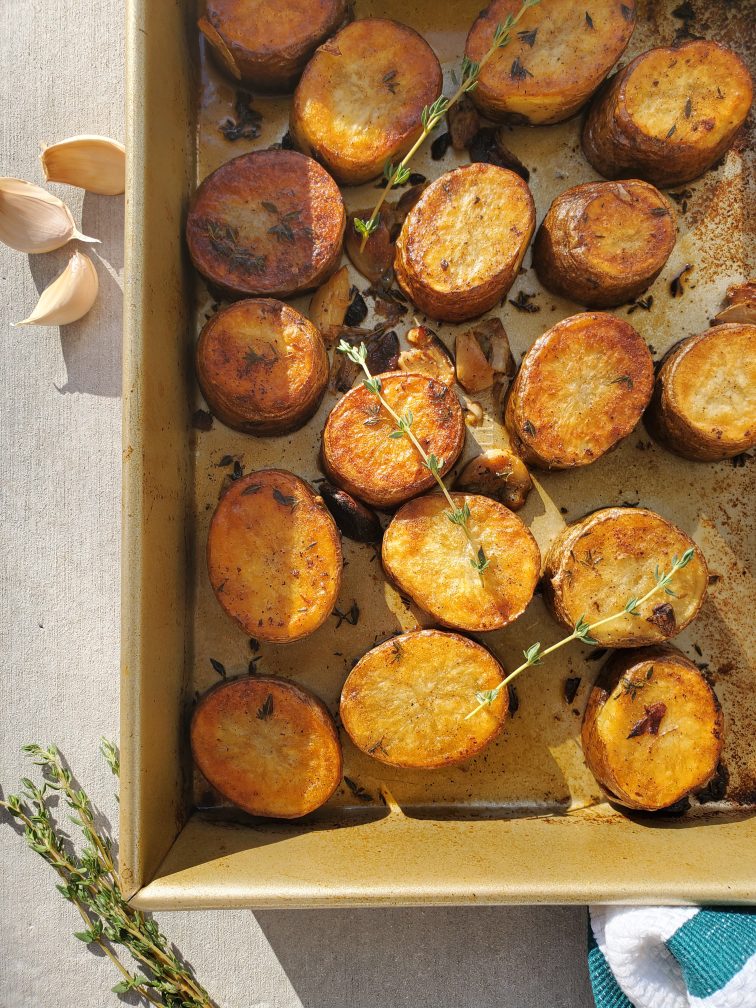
(652, 770)
(274, 556)
(580, 389)
(556, 58)
(270, 41)
(262, 367)
(359, 101)
(404, 703)
(358, 454)
(462, 245)
(597, 564)
(704, 401)
(603, 243)
(428, 558)
(268, 745)
(268, 223)
(669, 114)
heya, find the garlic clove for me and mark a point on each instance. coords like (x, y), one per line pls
(94, 163)
(33, 220)
(68, 298)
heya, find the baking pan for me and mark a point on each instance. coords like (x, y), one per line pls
(524, 822)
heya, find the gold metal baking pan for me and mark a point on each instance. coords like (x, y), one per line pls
(524, 822)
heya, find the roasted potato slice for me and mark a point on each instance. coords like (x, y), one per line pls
(359, 101)
(653, 728)
(499, 474)
(428, 558)
(274, 556)
(267, 43)
(404, 702)
(603, 243)
(270, 747)
(266, 223)
(262, 366)
(463, 243)
(669, 114)
(598, 564)
(557, 57)
(704, 402)
(581, 388)
(359, 455)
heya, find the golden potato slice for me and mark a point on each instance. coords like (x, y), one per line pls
(462, 245)
(274, 556)
(581, 388)
(669, 114)
(598, 564)
(428, 557)
(266, 223)
(652, 731)
(262, 367)
(603, 243)
(359, 454)
(359, 101)
(268, 746)
(267, 43)
(405, 702)
(558, 55)
(704, 402)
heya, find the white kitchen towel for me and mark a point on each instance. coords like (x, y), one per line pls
(672, 957)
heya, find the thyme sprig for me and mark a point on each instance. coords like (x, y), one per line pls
(583, 630)
(457, 515)
(91, 882)
(432, 115)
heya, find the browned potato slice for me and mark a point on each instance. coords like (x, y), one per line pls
(405, 701)
(274, 556)
(557, 57)
(428, 557)
(604, 243)
(462, 245)
(704, 402)
(652, 731)
(266, 43)
(669, 114)
(359, 101)
(598, 564)
(581, 388)
(262, 367)
(359, 454)
(499, 474)
(266, 223)
(268, 746)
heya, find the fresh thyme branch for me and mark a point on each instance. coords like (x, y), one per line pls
(91, 882)
(457, 516)
(432, 115)
(582, 630)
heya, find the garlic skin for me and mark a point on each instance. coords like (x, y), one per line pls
(69, 297)
(33, 220)
(94, 163)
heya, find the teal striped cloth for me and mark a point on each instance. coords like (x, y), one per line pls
(672, 957)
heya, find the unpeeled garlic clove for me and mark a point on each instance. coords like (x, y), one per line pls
(94, 163)
(33, 220)
(68, 298)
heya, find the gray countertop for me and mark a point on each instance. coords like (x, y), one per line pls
(62, 74)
